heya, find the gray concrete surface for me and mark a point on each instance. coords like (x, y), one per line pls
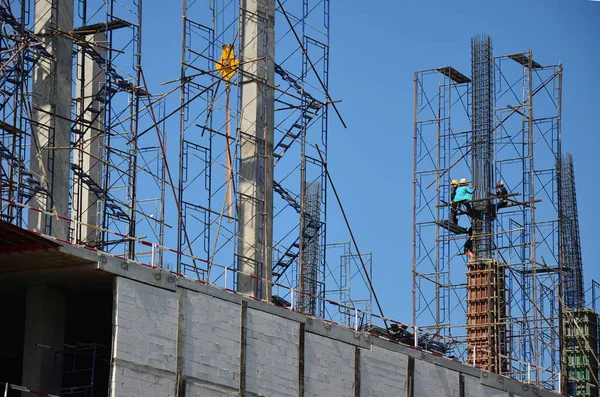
(255, 185)
(387, 372)
(51, 130)
(147, 335)
(144, 340)
(177, 337)
(44, 331)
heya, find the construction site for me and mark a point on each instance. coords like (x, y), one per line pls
(174, 242)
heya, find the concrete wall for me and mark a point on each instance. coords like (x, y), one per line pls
(329, 367)
(44, 326)
(144, 340)
(211, 348)
(435, 380)
(174, 337)
(386, 369)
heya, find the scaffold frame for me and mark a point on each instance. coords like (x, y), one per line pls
(524, 234)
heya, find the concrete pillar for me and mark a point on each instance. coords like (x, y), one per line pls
(44, 325)
(90, 148)
(51, 99)
(255, 186)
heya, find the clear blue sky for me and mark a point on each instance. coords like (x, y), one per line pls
(375, 51)
(375, 48)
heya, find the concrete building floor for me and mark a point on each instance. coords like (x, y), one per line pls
(153, 333)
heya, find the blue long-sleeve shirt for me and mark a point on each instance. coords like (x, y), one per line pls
(463, 193)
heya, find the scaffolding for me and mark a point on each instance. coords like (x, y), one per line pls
(78, 368)
(212, 144)
(311, 275)
(346, 284)
(484, 128)
(20, 51)
(117, 180)
(252, 116)
(96, 144)
(239, 150)
(300, 153)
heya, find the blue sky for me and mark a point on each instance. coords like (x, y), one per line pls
(375, 49)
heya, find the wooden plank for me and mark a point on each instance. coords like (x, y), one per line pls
(452, 227)
(10, 128)
(517, 203)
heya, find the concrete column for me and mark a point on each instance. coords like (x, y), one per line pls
(44, 325)
(89, 154)
(51, 99)
(255, 186)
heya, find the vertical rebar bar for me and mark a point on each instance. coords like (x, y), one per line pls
(308, 278)
(180, 221)
(482, 72)
(570, 245)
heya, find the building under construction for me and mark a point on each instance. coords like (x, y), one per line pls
(513, 306)
(174, 243)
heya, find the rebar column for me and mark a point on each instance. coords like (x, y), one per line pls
(51, 130)
(570, 246)
(256, 123)
(482, 75)
(309, 271)
(485, 276)
(571, 264)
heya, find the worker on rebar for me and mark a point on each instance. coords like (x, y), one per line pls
(468, 249)
(502, 195)
(464, 195)
(453, 205)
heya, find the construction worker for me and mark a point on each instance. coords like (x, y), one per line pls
(502, 195)
(468, 249)
(464, 195)
(453, 205)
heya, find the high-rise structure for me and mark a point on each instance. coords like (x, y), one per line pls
(134, 231)
(504, 315)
